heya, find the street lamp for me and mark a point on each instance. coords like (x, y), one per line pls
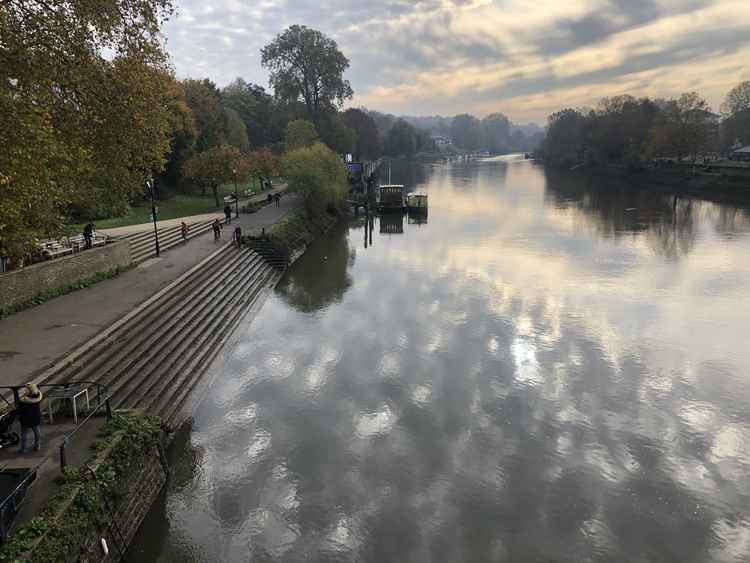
(150, 186)
(236, 199)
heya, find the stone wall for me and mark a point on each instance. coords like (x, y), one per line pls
(21, 286)
(130, 511)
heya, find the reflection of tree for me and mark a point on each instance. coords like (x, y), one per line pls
(674, 235)
(321, 276)
(668, 221)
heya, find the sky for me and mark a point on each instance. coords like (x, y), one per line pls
(444, 57)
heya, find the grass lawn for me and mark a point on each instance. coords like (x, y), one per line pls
(180, 205)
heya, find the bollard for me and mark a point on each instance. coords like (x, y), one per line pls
(63, 460)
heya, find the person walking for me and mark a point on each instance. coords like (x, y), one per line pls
(277, 197)
(30, 415)
(184, 232)
(228, 214)
(217, 229)
(269, 199)
(238, 236)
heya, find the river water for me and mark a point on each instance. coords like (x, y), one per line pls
(545, 369)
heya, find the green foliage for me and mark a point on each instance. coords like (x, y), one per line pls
(81, 91)
(299, 228)
(77, 510)
(51, 294)
(300, 133)
(305, 64)
(466, 132)
(401, 139)
(368, 145)
(496, 133)
(319, 175)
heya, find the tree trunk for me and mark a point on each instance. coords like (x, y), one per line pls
(215, 189)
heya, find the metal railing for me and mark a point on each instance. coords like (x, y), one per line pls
(102, 400)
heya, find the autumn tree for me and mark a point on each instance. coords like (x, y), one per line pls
(305, 64)
(81, 105)
(263, 164)
(565, 141)
(214, 167)
(300, 133)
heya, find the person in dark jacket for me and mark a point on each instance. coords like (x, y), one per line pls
(228, 214)
(217, 229)
(277, 197)
(30, 415)
(88, 235)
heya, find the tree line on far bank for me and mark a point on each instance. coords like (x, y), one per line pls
(630, 131)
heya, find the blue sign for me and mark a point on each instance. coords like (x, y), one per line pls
(354, 167)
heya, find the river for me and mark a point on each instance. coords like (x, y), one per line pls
(545, 369)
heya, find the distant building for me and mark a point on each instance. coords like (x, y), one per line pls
(741, 154)
(442, 143)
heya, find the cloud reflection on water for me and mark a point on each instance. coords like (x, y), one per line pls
(581, 395)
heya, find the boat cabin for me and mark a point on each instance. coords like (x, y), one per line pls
(392, 196)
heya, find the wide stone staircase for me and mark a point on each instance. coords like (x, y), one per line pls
(142, 243)
(155, 356)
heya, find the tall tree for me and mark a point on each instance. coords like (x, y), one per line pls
(737, 100)
(368, 145)
(736, 110)
(65, 68)
(496, 133)
(236, 132)
(685, 127)
(305, 64)
(204, 99)
(565, 141)
(401, 139)
(466, 132)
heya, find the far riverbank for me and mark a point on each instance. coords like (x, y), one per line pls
(713, 183)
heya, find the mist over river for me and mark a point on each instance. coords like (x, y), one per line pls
(543, 369)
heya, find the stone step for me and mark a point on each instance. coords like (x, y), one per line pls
(180, 340)
(145, 330)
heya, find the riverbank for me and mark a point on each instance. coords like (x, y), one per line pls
(93, 509)
(721, 184)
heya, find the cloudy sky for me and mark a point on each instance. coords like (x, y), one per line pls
(523, 58)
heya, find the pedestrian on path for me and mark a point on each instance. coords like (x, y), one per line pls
(238, 236)
(217, 229)
(30, 415)
(184, 232)
(269, 199)
(277, 197)
(228, 214)
(88, 235)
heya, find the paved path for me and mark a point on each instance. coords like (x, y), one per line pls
(30, 341)
(139, 227)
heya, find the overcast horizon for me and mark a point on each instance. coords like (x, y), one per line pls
(444, 57)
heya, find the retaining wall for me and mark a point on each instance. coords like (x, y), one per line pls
(21, 286)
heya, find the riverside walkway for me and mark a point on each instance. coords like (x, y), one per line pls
(32, 340)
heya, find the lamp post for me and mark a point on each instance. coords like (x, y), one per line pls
(236, 199)
(150, 186)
